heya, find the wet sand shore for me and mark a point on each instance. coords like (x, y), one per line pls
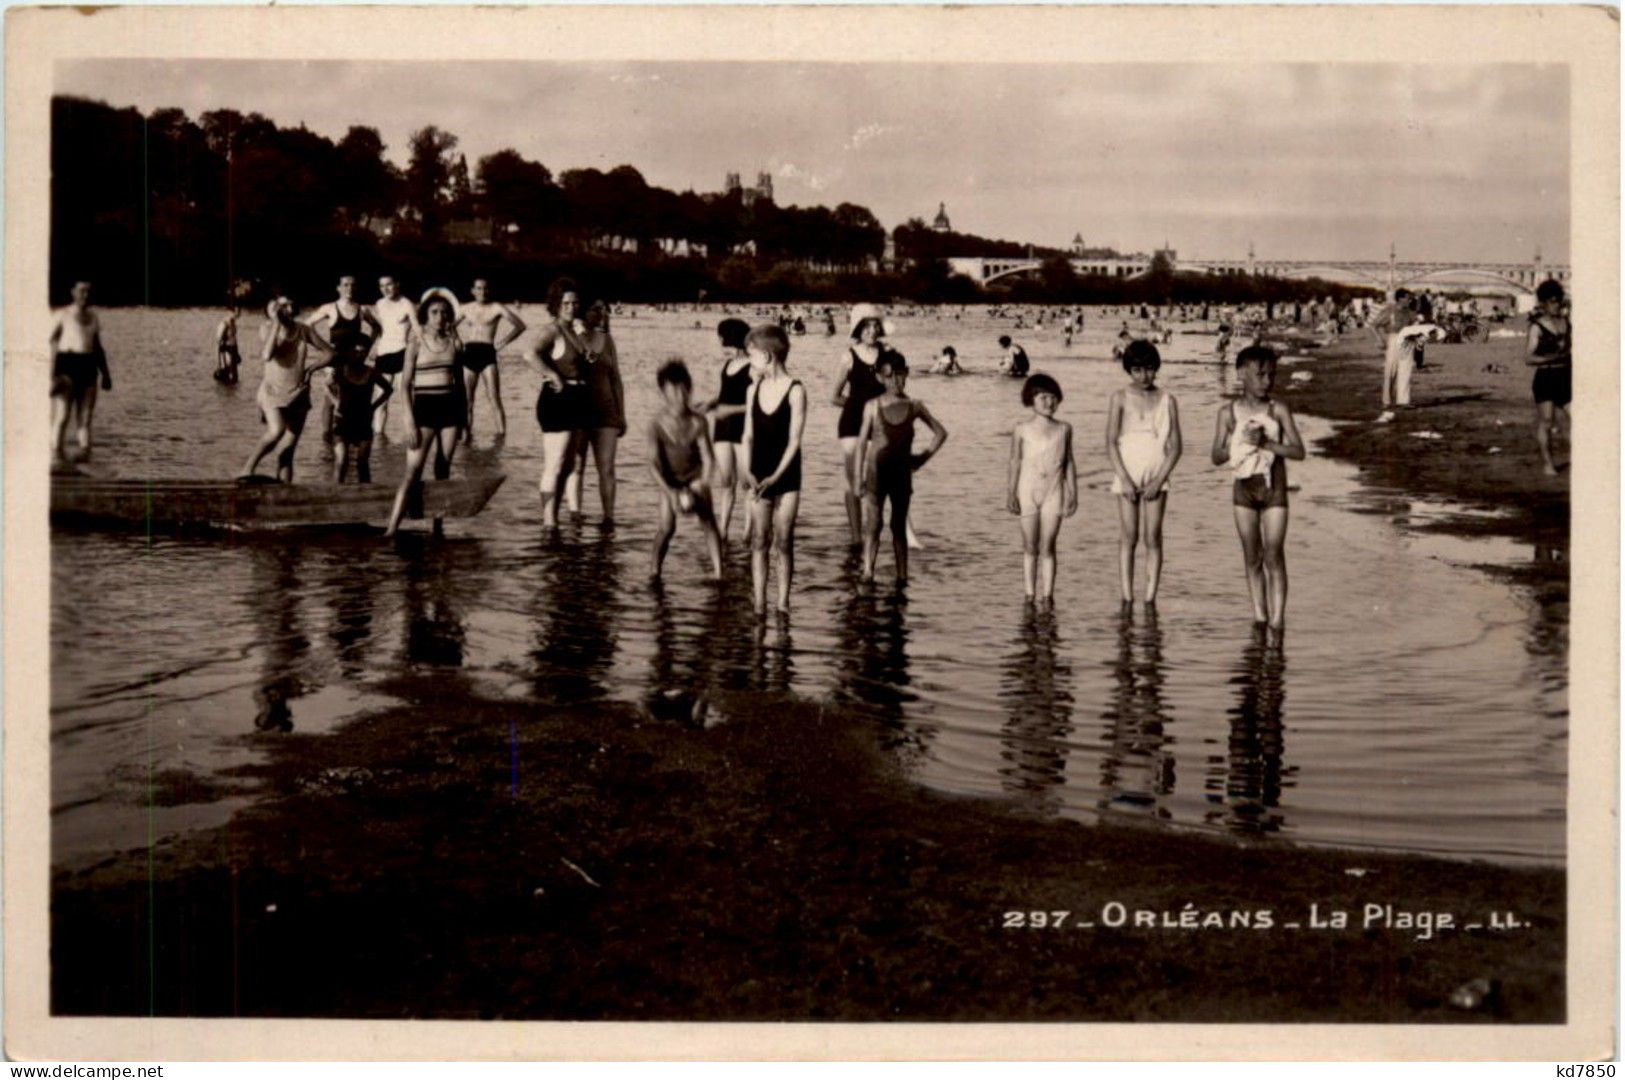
(465, 859)
(458, 858)
(1476, 398)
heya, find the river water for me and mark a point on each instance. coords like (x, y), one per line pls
(1417, 704)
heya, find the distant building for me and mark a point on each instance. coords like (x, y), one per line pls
(940, 222)
(749, 195)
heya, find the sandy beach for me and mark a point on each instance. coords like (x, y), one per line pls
(482, 859)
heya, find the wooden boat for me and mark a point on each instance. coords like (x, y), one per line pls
(170, 504)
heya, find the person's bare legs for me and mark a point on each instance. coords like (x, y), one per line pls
(1049, 527)
(724, 485)
(854, 501)
(761, 535)
(493, 387)
(558, 462)
(784, 543)
(1152, 511)
(899, 533)
(1272, 526)
(1029, 554)
(275, 428)
(1128, 538)
(1252, 557)
(414, 473)
(84, 410)
(663, 535)
(871, 533)
(1545, 420)
(604, 441)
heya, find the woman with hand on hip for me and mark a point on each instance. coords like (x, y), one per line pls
(564, 408)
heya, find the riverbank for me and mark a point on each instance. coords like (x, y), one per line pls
(1467, 439)
(469, 859)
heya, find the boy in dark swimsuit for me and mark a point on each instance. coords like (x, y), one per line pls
(680, 458)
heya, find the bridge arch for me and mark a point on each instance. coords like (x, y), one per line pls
(1446, 277)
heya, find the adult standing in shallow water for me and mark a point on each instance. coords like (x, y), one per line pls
(857, 386)
(77, 359)
(727, 412)
(564, 405)
(1549, 354)
(607, 422)
(397, 320)
(351, 329)
(481, 350)
(433, 381)
(284, 393)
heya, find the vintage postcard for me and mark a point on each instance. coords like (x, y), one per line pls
(811, 532)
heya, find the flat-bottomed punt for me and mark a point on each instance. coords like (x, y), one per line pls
(171, 504)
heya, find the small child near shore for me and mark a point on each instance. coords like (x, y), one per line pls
(1143, 444)
(1043, 483)
(775, 417)
(351, 391)
(683, 464)
(886, 460)
(1255, 435)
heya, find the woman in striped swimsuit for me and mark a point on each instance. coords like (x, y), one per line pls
(433, 379)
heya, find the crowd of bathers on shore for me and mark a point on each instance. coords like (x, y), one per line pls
(748, 436)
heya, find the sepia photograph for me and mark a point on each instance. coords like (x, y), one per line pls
(927, 532)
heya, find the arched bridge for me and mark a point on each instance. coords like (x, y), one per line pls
(1514, 277)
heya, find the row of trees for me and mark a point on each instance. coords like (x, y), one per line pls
(163, 209)
(171, 210)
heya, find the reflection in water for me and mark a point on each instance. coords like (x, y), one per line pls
(872, 668)
(434, 626)
(575, 608)
(679, 680)
(274, 600)
(1037, 690)
(352, 584)
(1252, 775)
(773, 667)
(1137, 769)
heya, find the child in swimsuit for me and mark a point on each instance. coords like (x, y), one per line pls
(680, 458)
(1143, 445)
(1254, 435)
(775, 415)
(352, 390)
(886, 460)
(1043, 485)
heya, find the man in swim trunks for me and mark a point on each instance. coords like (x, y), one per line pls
(481, 347)
(77, 359)
(397, 321)
(348, 329)
(1015, 363)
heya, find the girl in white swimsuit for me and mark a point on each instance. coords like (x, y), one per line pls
(1043, 483)
(1143, 444)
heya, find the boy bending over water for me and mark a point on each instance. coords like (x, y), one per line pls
(886, 460)
(1043, 483)
(681, 459)
(1256, 435)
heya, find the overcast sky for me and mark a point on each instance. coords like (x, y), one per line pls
(1457, 162)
